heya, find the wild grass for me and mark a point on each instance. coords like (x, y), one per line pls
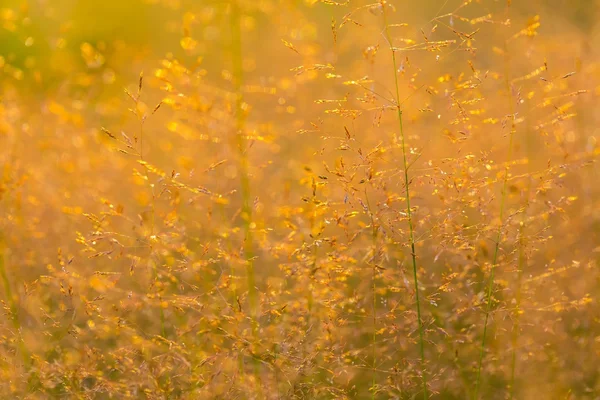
(499, 236)
(299, 200)
(12, 306)
(405, 166)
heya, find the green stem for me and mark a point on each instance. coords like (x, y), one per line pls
(374, 288)
(517, 314)
(521, 266)
(408, 208)
(490, 285)
(238, 77)
(14, 310)
(240, 141)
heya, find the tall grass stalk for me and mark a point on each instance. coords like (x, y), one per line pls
(310, 295)
(521, 264)
(312, 217)
(238, 79)
(374, 289)
(517, 311)
(240, 142)
(408, 209)
(141, 121)
(14, 309)
(499, 235)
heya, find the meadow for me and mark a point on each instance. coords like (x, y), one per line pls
(299, 199)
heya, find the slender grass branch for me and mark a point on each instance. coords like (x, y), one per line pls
(142, 120)
(238, 78)
(522, 263)
(490, 285)
(312, 217)
(517, 313)
(240, 142)
(374, 289)
(14, 310)
(408, 208)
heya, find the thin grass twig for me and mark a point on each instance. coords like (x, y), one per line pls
(408, 208)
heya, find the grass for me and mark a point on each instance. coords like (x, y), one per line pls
(499, 236)
(238, 78)
(411, 234)
(13, 308)
(269, 213)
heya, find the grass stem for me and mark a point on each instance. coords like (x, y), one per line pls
(408, 208)
(374, 289)
(238, 78)
(241, 144)
(14, 309)
(490, 285)
(517, 312)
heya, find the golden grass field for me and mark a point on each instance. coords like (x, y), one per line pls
(299, 199)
